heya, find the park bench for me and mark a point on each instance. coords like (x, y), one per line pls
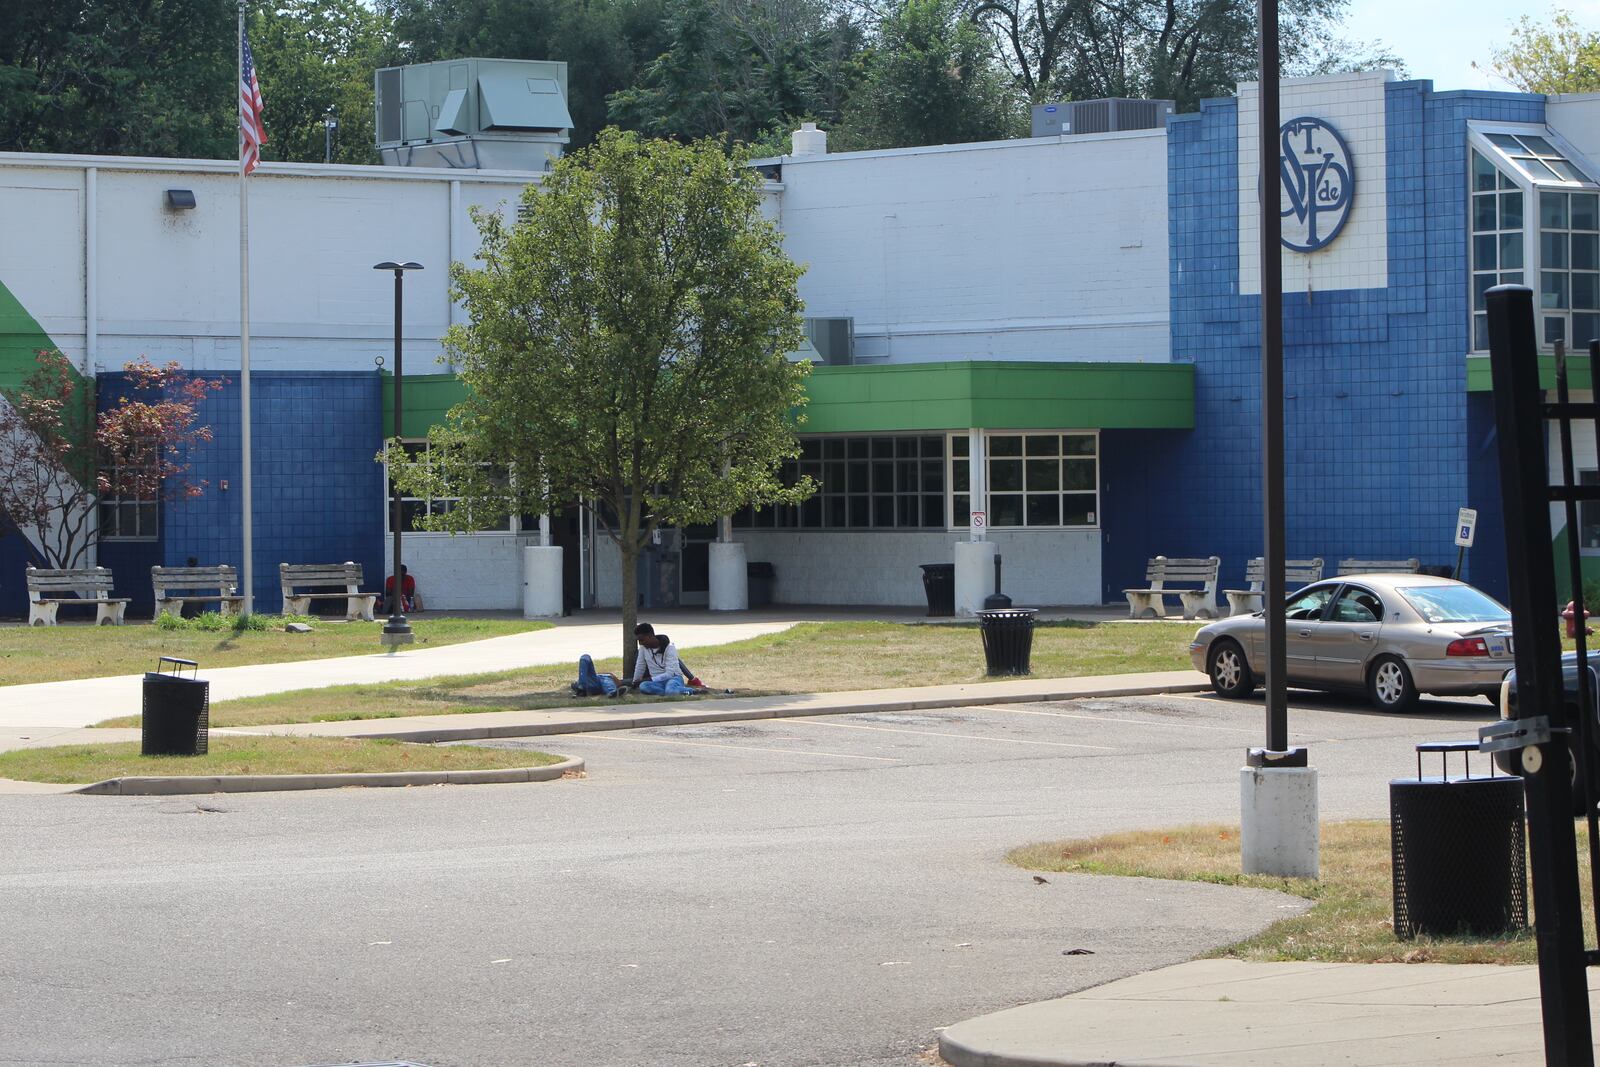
(88, 585)
(184, 580)
(358, 605)
(1378, 566)
(1201, 602)
(1296, 573)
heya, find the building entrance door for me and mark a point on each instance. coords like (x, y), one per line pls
(695, 568)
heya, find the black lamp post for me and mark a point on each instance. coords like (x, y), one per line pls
(397, 631)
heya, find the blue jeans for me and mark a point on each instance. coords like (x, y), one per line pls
(670, 688)
(593, 684)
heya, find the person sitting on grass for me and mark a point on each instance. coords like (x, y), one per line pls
(657, 670)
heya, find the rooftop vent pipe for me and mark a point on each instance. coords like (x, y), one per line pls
(809, 141)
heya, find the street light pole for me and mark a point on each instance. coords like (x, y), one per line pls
(329, 124)
(397, 631)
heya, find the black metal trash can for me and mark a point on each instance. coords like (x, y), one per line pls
(1007, 639)
(939, 582)
(758, 580)
(1459, 849)
(177, 711)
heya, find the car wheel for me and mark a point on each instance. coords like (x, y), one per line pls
(1389, 685)
(1230, 673)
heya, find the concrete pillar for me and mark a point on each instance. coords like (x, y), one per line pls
(730, 582)
(1278, 832)
(974, 574)
(541, 582)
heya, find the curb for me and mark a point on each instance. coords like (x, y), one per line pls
(640, 722)
(270, 783)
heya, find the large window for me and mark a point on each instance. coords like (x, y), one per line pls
(1035, 479)
(868, 482)
(1535, 219)
(414, 507)
(126, 514)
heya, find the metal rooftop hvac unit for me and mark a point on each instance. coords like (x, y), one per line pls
(1099, 116)
(831, 342)
(473, 114)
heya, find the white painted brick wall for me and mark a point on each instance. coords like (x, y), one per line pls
(482, 571)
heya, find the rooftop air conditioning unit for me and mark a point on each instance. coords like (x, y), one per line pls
(476, 114)
(833, 340)
(1100, 116)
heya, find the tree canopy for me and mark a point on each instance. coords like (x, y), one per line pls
(626, 344)
(1558, 56)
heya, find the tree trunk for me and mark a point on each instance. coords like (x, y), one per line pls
(628, 548)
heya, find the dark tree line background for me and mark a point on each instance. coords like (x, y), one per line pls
(155, 77)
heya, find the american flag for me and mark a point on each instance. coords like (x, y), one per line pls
(252, 131)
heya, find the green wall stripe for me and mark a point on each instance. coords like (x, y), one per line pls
(1480, 380)
(21, 339)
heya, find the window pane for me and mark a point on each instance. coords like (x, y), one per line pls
(1585, 211)
(933, 511)
(1514, 278)
(1552, 250)
(906, 511)
(1539, 171)
(1483, 213)
(1504, 140)
(147, 519)
(833, 448)
(1511, 211)
(1553, 211)
(858, 475)
(959, 505)
(833, 511)
(1553, 290)
(1044, 509)
(1043, 474)
(811, 449)
(1008, 445)
(1585, 251)
(1585, 290)
(1005, 510)
(811, 512)
(1005, 475)
(883, 476)
(1483, 173)
(905, 447)
(1078, 444)
(410, 510)
(833, 479)
(932, 447)
(958, 445)
(960, 475)
(1077, 474)
(1044, 445)
(1077, 509)
(1480, 333)
(1566, 170)
(1585, 328)
(883, 511)
(906, 473)
(1510, 250)
(1483, 251)
(882, 448)
(860, 512)
(1555, 329)
(933, 475)
(1506, 182)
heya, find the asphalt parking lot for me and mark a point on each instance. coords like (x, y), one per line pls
(823, 891)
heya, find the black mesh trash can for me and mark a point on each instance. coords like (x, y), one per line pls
(1007, 639)
(1458, 846)
(939, 582)
(177, 711)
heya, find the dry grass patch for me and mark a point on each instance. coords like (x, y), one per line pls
(82, 764)
(1350, 920)
(59, 653)
(809, 658)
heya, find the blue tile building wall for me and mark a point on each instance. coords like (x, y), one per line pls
(1379, 449)
(318, 494)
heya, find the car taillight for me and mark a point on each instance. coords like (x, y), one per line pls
(1467, 646)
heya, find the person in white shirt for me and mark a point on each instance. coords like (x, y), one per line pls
(656, 669)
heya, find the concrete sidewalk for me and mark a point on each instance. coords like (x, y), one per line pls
(59, 706)
(1209, 1013)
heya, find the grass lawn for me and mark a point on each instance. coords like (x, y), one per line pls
(57, 653)
(1351, 918)
(257, 755)
(809, 658)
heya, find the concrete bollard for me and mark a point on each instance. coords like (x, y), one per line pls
(730, 580)
(1278, 829)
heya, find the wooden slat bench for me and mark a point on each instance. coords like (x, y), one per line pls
(89, 585)
(1197, 603)
(358, 605)
(222, 578)
(1296, 573)
(1378, 566)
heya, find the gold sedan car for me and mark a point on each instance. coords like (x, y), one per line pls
(1392, 636)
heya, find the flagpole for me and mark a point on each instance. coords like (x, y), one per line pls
(249, 570)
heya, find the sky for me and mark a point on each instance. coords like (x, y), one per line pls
(1440, 39)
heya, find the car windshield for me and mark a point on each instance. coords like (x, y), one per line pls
(1454, 603)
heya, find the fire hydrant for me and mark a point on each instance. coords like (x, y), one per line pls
(1570, 614)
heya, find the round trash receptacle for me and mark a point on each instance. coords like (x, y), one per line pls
(1007, 639)
(939, 583)
(177, 712)
(1459, 856)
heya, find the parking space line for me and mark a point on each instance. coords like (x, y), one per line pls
(736, 748)
(936, 733)
(1111, 718)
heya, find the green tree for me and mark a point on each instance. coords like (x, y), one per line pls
(626, 344)
(930, 80)
(314, 57)
(1555, 57)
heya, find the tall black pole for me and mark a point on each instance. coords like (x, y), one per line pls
(1274, 590)
(397, 631)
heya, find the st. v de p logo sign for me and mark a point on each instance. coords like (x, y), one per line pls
(1318, 183)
